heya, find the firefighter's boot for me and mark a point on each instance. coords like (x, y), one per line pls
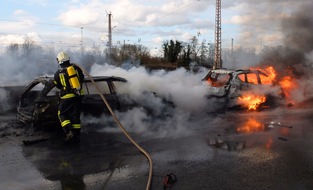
(76, 133)
(68, 133)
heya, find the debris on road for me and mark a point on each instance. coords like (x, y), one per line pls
(273, 124)
(227, 145)
(282, 138)
(169, 180)
(35, 141)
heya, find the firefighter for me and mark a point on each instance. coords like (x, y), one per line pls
(68, 79)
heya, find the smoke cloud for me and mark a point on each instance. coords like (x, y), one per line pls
(260, 21)
(180, 86)
(4, 105)
(295, 57)
(297, 30)
(170, 102)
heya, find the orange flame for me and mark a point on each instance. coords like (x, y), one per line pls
(252, 125)
(251, 101)
(288, 84)
(271, 73)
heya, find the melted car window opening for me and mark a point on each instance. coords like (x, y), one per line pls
(252, 78)
(265, 79)
(91, 89)
(30, 96)
(218, 79)
(54, 92)
(38, 87)
(120, 87)
(247, 78)
(242, 77)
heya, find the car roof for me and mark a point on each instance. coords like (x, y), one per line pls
(257, 71)
(106, 78)
(239, 71)
(222, 71)
(95, 78)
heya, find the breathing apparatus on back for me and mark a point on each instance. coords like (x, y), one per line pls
(74, 82)
(63, 58)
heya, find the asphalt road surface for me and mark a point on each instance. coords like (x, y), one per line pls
(235, 150)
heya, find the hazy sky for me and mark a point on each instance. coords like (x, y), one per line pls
(251, 23)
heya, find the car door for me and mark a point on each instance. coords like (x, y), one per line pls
(218, 84)
(26, 105)
(46, 106)
(243, 81)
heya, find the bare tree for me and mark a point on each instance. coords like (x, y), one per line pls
(28, 46)
(12, 50)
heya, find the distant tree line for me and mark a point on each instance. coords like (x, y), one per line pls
(175, 54)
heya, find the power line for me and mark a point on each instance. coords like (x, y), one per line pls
(86, 27)
(50, 24)
(183, 7)
(159, 18)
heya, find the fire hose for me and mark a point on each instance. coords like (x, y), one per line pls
(121, 126)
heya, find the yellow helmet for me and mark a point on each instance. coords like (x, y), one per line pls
(62, 57)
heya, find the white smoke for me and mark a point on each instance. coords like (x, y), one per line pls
(4, 105)
(181, 87)
(309, 58)
(302, 91)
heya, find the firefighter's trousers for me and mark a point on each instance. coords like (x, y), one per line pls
(69, 114)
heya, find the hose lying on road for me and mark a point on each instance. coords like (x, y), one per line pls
(121, 127)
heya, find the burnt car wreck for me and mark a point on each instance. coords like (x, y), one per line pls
(236, 85)
(38, 102)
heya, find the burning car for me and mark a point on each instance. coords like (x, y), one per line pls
(38, 103)
(250, 88)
